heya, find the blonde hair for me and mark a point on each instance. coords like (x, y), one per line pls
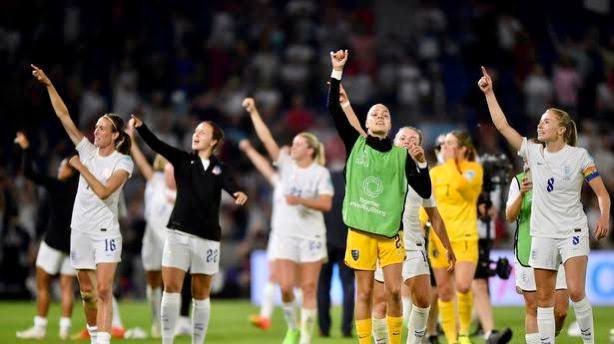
(159, 163)
(464, 140)
(571, 131)
(316, 145)
(396, 136)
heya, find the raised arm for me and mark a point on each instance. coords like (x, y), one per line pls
(117, 179)
(354, 121)
(260, 162)
(26, 162)
(58, 106)
(440, 229)
(603, 198)
(263, 132)
(417, 171)
(138, 156)
(496, 114)
(172, 154)
(345, 129)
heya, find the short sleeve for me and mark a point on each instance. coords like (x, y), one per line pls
(283, 160)
(523, 152)
(85, 148)
(325, 184)
(429, 202)
(275, 180)
(513, 193)
(126, 164)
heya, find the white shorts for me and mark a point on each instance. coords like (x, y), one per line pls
(270, 247)
(525, 278)
(299, 250)
(188, 252)
(53, 261)
(415, 264)
(151, 252)
(87, 251)
(549, 253)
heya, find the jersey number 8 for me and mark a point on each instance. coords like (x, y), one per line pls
(550, 186)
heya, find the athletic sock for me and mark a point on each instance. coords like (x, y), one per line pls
(266, 309)
(416, 326)
(394, 329)
(201, 312)
(584, 317)
(379, 330)
(169, 312)
(117, 321)
(154, 296)
(447, 314)
(308, 321)
(363, 331)
(290, 314)
(465, 307)
(545, 324)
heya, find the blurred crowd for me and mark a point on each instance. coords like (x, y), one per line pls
(176, 63)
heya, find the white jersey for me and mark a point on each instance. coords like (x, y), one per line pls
(309, 182)
(412, 231)
(91, 214)
(159, 201)
(557, 179)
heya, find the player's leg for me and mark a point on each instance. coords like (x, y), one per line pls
(464, 272)
(416, 277)
(154, 297)
(380, 328)
(310, 272)
(175, 263)
(201, 306)
(67, 282)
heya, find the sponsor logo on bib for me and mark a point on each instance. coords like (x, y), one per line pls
(373, 186)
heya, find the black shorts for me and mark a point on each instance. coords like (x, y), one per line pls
(483, 268)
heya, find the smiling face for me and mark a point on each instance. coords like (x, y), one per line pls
(407, 138)
(104, 134)
(378, 121)
(202, 139)
(300, 148)
(549, 128)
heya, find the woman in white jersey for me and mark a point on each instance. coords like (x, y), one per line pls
(298, 229)
(263, 320)
(95, 241)
(159, 198)
(559, 228)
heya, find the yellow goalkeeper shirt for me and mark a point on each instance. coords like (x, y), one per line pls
(456, 188)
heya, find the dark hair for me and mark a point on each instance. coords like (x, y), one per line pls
(123, 142)
(218, 135)
(464, 140)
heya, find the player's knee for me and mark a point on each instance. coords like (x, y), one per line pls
(446, 293)
(309, 290)
(89, 297)
(463, 287)
(364, 296)
(105, 292)
(576, 294)
(393, 292)
(422, 300)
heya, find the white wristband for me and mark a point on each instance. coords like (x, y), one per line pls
(336, 74)
(344, 105)
(422, 164)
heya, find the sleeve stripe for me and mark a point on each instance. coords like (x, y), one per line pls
(591, 176)
(589, 170)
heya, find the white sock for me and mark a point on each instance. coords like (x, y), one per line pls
(154, 296)
(486, 335)
(379, 330)
(308, 321)
(201, 312)
(298, 296)
(93, 331)
(169, 312)
(416, 326)
(65, 323)
(290, 314)
(40, 323)
(266, 309)
(117, 321)
(584, 317)
(406, 303)
(103, 338)
(532, 338)
(545, 324)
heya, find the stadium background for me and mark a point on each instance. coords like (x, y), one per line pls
(179, 62)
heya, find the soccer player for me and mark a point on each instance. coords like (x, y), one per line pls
(159, 198)
(193, 241)
(377, 174)
(53, 253)
(95, 239)
(518, 209)
(298, 229)
(263, 320)
(457, 183)
(559, 227)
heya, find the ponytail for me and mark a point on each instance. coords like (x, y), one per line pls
(123, 142)
(317, 146)
(571, 131)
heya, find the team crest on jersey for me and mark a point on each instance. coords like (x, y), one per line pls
(469, 175)
(355, 254)
(216, 170)
(575, 240)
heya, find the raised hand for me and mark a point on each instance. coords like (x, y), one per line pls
(22, 140)
(134, 121)
(338, 59)
(40, 75)
(417, 153)
(249, 104)
(75, 162)
(485, 82)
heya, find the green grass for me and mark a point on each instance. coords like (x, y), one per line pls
(229, 323)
